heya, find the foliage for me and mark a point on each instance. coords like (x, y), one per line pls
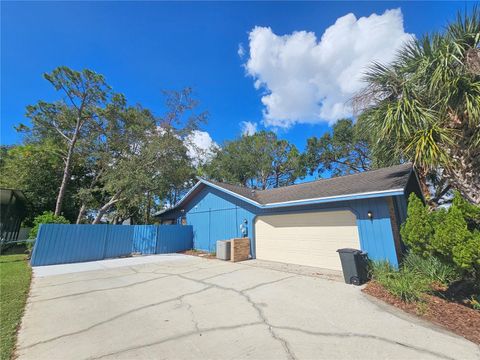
(344, 150)
(404, 283)
(91, 154)
(417, 231)
(431, 268)
(470, 212)
(35, 168)
(258, 161)
(70, 121)
(15, 275)
(475, 302)
(48, 217)
(449, 232)
(444, 234)
(137, 157)
(426, 105)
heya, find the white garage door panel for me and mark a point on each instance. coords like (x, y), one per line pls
(310, 238)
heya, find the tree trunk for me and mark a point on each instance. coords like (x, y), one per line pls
(113, 200)
(422, 178)
(149, 204)
(467, 181)
(66, 171)
(81, 213)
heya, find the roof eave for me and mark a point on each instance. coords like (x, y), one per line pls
(312, 201)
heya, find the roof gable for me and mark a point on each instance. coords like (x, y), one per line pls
(374, 183)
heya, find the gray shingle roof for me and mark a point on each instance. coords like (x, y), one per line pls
(384, 179)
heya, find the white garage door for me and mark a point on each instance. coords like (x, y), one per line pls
(310, 238)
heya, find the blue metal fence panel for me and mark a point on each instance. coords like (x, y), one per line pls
(174, 238)
(64, 243)
(61, 243)
(145, 239)
(119, 241)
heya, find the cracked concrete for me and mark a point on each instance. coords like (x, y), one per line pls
(191, 308)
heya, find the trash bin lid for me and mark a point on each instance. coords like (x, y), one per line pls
(349, 251)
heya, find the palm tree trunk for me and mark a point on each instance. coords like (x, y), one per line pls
(422, 178)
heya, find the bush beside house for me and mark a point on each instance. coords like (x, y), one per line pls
(452, 236)
(439, 278)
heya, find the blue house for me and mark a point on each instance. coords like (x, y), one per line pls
(303, 223)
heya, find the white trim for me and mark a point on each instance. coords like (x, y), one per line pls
(336, 197)
(283, 203)
(230, 192)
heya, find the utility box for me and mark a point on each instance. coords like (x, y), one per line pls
(223, 249)
(354, 266)
(240, 249)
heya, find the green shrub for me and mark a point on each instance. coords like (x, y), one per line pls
(452, 230)
(417, 231)
(48, 217)
(471, 212)
(466, 255)
(405, 284)
(451, 235)
(431, 268)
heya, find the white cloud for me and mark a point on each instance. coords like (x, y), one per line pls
(309, 80)
(248, 128)
(241, 50)
(200, 147)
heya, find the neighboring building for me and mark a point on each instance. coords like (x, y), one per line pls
(12, 213)
(304, 223)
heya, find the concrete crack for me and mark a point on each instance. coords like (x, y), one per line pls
(104, 289)
(365, 336)
(189, 309)
(85, 280)
(176, 337)
(260, 313)
(103, 322)
(268, 283)
(226, 273)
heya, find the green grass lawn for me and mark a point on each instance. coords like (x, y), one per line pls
(15, 275)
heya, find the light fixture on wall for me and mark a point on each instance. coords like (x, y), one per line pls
(370, 215)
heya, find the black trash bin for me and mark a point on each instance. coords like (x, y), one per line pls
(354, 266)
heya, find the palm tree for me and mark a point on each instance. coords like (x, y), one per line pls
(426, 105)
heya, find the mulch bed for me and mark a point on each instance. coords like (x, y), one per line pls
(455, 317)
(202, 254)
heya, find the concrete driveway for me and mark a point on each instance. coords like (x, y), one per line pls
(181, 307)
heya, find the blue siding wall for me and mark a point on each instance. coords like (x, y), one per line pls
(215, 215)
(61, 243)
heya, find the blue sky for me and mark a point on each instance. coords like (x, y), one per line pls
(144, 47)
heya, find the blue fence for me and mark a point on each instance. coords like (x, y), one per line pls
(61, 243)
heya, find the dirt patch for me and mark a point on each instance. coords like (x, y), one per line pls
(457, 318)
(199, 253)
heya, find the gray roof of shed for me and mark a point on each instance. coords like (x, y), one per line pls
(385, 179)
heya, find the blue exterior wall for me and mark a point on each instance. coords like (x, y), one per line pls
(215, 215)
